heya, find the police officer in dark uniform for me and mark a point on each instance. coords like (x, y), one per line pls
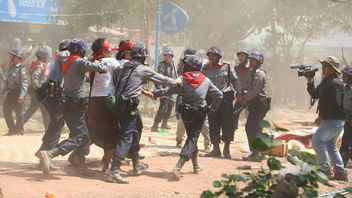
(195, 88)
(242, 71)
(51, 93)
(346, 146)
(74, 70)
(37, 74)
(223, 76)
(129, 80)
(168, 69)
(257, 102)
(16, 87)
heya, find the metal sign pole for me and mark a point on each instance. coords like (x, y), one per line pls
(157, 34)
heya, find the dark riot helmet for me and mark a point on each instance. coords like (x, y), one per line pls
(64, 44)
(190, 51)
(42, 53)
(214, 50)
(139, 51)
(244, 51)
(257, 56)
(78, 45)
(192, 61)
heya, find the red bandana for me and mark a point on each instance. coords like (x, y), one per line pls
(70, 60)
(194, 78)
(33, 67)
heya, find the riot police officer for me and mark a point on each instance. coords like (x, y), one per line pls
(166, 68)
(74, 106)
(242, 71)
(257, 102)
(223, 76)
(37, 73)
(16, 86)
(129, 81)
(52, 90)
(346, 146)
(195, 88)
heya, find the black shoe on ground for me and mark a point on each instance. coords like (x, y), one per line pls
(214, 153)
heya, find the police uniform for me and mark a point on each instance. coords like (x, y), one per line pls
(194, 90)
(166, 104)
(38, 77)
(225, 79)
(16, 85)
(74, 105)
(346, 146)
(129, 81)
(257, 102)
(52, 104)
(242, 71)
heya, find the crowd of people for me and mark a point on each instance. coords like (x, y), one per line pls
(211, 93)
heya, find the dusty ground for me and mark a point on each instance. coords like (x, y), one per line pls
(20, 178)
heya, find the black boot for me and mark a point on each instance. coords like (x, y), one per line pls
(114, 173)
(215, 152)
(226, 151)
(196, 167)
(138, 166)
(45, 159)
(176, 173)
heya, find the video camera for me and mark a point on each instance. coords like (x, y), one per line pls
(304, 70)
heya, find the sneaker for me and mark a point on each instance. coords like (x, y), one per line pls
(114, 176)
(140, 168)
(339, 176)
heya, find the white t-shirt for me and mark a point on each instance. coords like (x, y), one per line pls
(103, 83)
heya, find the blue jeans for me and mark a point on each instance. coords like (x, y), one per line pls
(324, 144)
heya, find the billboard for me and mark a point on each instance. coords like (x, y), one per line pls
(31, 11)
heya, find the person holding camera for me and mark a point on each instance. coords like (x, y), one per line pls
(330, 93)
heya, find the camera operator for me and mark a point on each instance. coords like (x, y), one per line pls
(331, 118)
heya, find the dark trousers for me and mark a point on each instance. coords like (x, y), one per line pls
(164, 111)
(193, 127)
(78, 140)
(53, 132)
(257, 112)
(346, 146)
(11, 104)
(33, 107)
(221, 120)
(129, 135)
(236, 116)
(139, 125)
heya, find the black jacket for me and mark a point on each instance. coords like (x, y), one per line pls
(330, 93)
